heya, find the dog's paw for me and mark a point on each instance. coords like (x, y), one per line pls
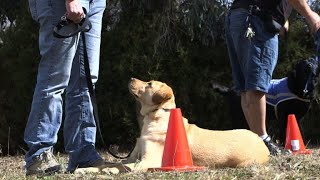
(110, 170)
(88, 170)
(117, 169)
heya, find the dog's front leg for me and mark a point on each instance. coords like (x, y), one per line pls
(135, 154)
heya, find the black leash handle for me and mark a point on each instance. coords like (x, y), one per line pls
(85, 26)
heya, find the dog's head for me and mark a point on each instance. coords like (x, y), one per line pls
(303, 78)
(152, 95)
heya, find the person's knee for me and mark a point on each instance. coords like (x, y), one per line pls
(254, 97)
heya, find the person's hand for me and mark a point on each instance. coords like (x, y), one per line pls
(316, 26)
(74, 11)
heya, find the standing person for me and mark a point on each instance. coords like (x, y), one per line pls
(252, 28)
(61, 69)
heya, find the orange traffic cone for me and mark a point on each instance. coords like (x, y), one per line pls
(294, 141)
(176, 153)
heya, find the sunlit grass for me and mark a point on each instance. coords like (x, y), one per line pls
(282, 167)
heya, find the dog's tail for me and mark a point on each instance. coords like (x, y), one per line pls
(221, 89)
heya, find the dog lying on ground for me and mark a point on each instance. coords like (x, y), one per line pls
(289, 95)
(209, 148)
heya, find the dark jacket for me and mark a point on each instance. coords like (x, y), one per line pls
(278, 10)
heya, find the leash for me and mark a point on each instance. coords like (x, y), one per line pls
(317, 50)
(65, 29)
(317, 43)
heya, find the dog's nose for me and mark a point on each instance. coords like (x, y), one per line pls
(132, 80)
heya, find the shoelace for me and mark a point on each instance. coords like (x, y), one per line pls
(46, 157)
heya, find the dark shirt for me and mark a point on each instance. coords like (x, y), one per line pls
(280, 10)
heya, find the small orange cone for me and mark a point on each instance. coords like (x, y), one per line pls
(294, 141)
(176, 153)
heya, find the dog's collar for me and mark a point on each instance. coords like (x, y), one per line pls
(165, 109)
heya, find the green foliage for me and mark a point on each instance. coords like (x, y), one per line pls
(9, 10)
(18, 55)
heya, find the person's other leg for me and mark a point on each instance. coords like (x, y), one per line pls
(53, 75)
(260, 62)
(255, 110)
(80, 126)
(236, 25)
(238, 48)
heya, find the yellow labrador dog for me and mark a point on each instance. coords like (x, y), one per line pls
(209, 148)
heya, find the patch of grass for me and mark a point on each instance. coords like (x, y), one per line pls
(282, 167)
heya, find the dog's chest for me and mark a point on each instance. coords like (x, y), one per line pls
(154, 130)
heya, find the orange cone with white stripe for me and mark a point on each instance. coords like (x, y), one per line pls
(294, 141)
(176, 153)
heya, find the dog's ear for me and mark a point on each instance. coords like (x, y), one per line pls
(165, 93)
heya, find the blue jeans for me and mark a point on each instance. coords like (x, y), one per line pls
(252, 61)
(61, 69)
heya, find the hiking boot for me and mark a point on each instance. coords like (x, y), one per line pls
(98, 163)
(44, 164)
(274, 149)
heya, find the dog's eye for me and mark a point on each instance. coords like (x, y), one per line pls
(149, 84)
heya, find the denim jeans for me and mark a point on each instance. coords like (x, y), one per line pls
(252, 61)
(61, 70)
